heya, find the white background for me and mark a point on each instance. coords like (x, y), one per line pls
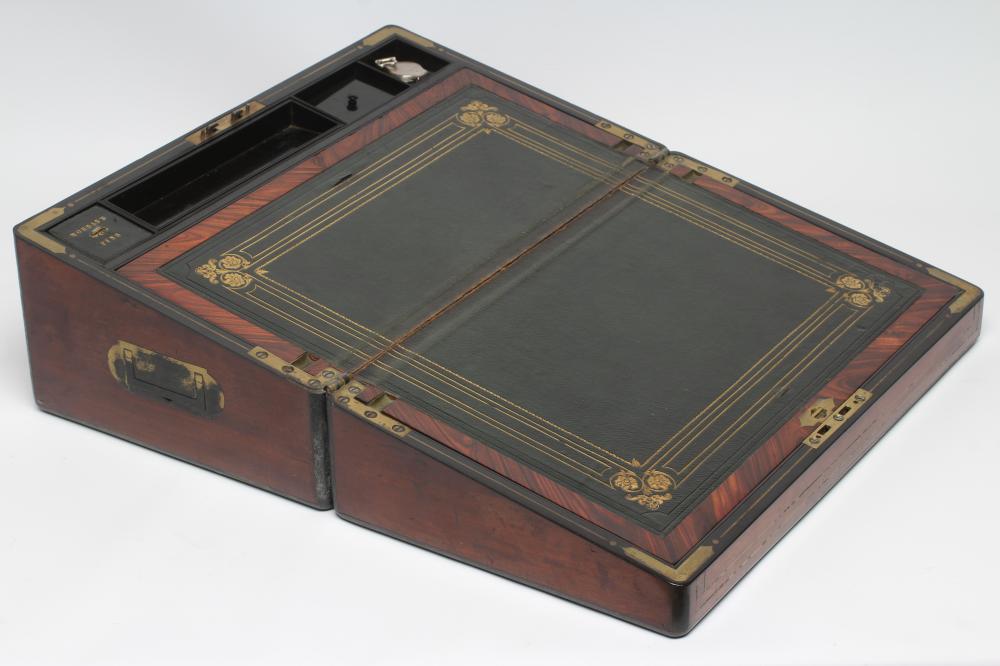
(880, 115)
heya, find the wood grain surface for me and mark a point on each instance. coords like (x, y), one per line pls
(262, 436)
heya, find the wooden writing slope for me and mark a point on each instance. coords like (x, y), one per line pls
(472, 316)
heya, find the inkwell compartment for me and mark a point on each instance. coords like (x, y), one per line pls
(372, 81)
(231, 150)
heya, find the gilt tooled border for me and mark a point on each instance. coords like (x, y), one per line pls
(649, 483)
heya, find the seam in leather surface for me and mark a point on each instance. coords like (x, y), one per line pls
(495, 273)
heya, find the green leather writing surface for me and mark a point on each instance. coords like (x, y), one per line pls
(643, 354)
(611, 326)
(366, 250)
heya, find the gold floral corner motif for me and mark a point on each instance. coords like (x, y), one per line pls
(480, 114)
(651, 491)
(862, 293)
(228, 270)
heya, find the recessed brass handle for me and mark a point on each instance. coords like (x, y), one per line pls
(165, 379)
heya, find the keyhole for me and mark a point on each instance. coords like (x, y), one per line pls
(352, 102)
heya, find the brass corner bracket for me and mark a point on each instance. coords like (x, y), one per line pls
(326, 377)
(678, 574)
(29, 230)
(970, 292)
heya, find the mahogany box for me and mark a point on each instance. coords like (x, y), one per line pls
(467, 314)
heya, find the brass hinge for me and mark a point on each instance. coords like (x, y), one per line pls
(675, 160)
(224, 122)
(348, 397)
(649, 148)
(326, 377)
(838, 418)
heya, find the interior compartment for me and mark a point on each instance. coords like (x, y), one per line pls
(352, 92)
(401, 50)
(221, 163)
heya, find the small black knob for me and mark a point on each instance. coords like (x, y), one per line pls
(352, 102)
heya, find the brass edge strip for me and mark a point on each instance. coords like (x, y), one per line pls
(393, 31)
(970, 292)
(29, 230)
(679, 574)
(346, 397)
(649, 147)
(832, 423)
(224, 122)
(679, 160)
(326, 377)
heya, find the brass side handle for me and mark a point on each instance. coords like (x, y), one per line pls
(165, 379)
